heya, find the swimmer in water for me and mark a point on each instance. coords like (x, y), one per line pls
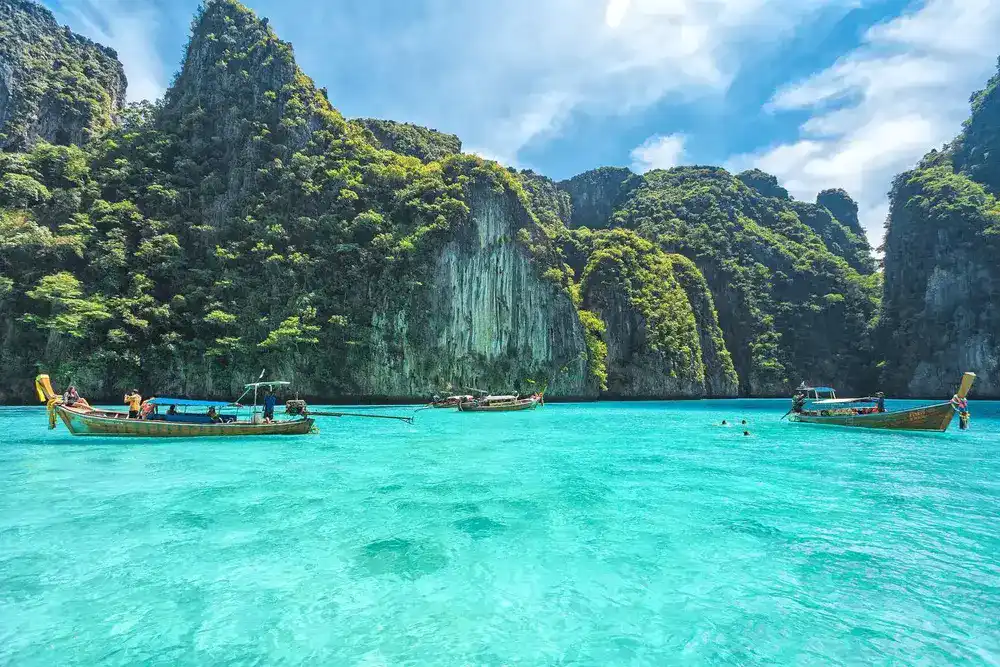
(746, 432)
(744, 422)
(724, 423)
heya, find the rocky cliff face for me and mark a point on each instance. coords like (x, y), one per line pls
(54, 85)
(490, 320)
(941, 302)
(661, 331)
(595, 194)
(976, 151)
(243, 223)
(720, 376)
(778, 271)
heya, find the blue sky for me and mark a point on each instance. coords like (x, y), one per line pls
(821, 93)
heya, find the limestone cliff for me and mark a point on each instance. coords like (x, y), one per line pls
(595, 194)
(941, 302)
(490, 320)
(661, 332)
(54, 85)
(764, 183)
(242, 223)
(779, 271)
(720, 374)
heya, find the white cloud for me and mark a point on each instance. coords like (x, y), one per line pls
(509, 76)
(616, 11)
(877, 110)
(129, 27)
(658, 152)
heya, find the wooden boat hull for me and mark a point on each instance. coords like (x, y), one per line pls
(84, 422)
(929, 418)
(528, 404)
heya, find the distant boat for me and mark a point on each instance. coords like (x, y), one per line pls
(450, 401)
(509, 403)
(182, 417)
(820, 405)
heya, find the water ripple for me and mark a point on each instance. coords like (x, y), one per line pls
(621, 533)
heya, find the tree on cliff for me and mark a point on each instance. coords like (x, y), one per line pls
(942, 280)
(242, 220)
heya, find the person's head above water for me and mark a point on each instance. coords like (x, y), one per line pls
(724, 422)
(744, 421)
(746, 432)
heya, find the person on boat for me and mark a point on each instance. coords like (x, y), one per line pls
(879, 402)
(798, 402)
(213, 415)
(146, 409)
(172, 410)
(71, 396)
(269, 401)
(134, 401)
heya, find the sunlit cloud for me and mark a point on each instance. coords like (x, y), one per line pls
(658, 152)
(615, 13)
(880, 108)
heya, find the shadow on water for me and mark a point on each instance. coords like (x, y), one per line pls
(466, 508)
(186, 519)
(756, 529)
(479, 527)
(404, 558)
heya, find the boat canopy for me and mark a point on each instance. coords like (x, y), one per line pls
(839, 401)
(267, 383)
(501, 398)
(190, 402)
(803, 387)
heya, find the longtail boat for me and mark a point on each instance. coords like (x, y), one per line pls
(180, 418)
(820, 405)
(510, 403)
(450, 401)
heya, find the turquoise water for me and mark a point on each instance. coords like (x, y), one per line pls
(599, 534)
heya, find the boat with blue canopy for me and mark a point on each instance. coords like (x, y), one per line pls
(820, 405)
(164, 416)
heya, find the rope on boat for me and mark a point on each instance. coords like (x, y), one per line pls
(50, 407)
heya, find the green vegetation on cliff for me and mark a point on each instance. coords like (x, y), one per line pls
(977, 150)
(942, 281)
(242, 222)
(54, 85)
(622, 262)
(652, 328)
(790, 308)
(409, 139)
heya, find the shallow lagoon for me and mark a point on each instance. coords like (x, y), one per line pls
(586, 534)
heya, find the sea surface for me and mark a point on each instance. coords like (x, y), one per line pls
(577, 534)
